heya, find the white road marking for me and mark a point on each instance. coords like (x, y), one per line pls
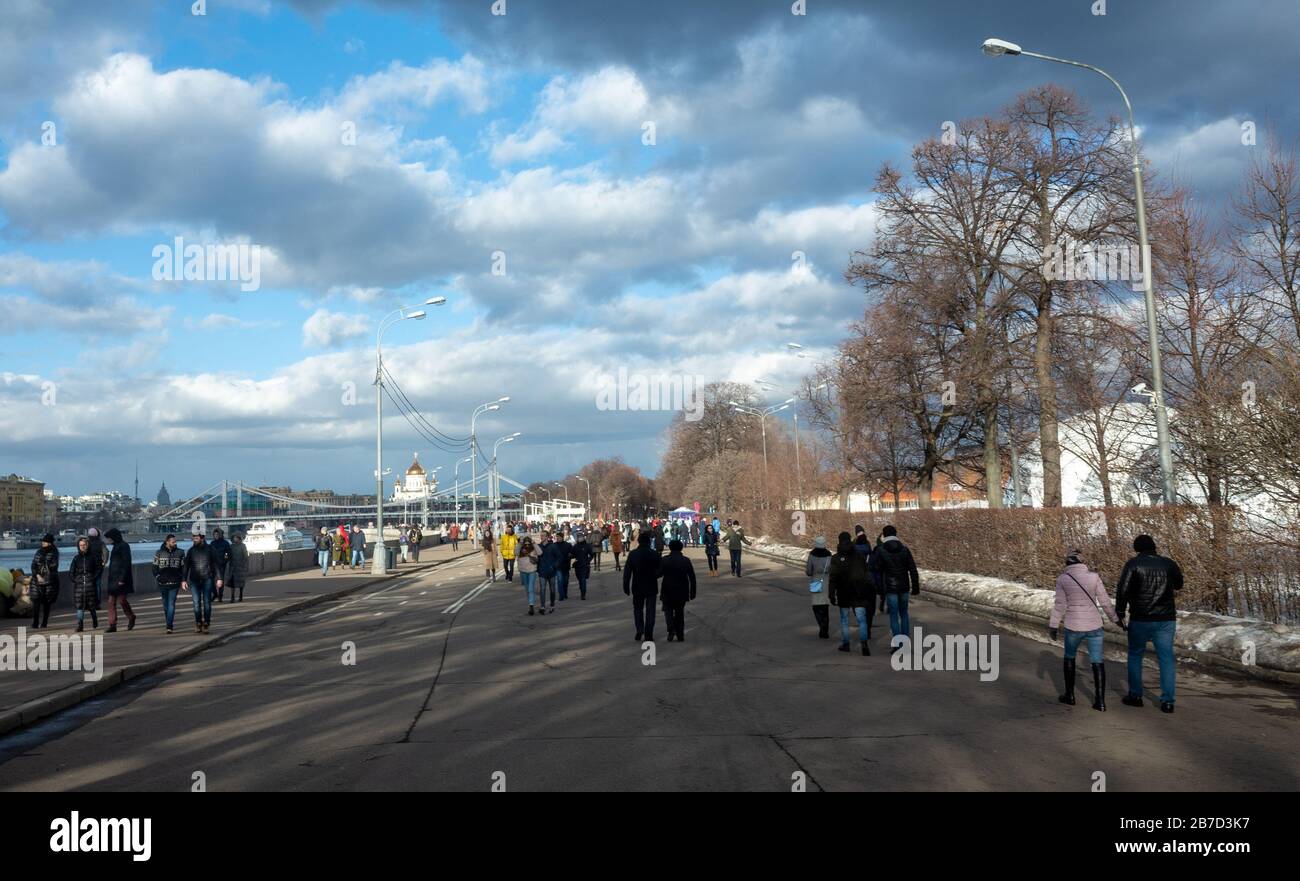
(460, 603)
(394, 586)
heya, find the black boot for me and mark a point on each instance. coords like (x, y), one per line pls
(1068, 697)
(1099, 685)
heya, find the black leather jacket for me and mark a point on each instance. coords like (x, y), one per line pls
(894, 568)
(200, 564)
(1146, 588)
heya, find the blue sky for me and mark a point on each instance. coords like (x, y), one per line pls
(520, 134)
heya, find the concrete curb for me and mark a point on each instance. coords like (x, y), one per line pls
(1113, 636)
(42, 707)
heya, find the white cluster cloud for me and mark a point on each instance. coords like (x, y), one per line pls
(605, 266)
(325, 329)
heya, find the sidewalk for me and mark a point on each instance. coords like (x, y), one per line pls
(26, 696)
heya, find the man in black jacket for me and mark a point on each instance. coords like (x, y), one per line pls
(1146, 590)
(202, 579)
(563, 562)
(221, 554)
(678, 588)
(168, 569)
(121, 582)
(641, 582)
(896, 576)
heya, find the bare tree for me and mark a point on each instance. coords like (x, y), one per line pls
(1074, 175)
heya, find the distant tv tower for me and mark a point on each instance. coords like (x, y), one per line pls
(137, 481)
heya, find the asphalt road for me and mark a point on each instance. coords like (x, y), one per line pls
(456, 696)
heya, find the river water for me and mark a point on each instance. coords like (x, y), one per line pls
(141, 552)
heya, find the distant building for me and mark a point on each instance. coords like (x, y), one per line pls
(164, 498)
(22, 502)
(417, 485)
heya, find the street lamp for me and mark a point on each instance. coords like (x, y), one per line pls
(588, 482)
(473, 451)
(762, 421)
(432, 477)
(379, 565)
(456, 479)
(494, 494)
(994, 48)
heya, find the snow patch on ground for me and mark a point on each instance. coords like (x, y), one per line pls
(1276, 646)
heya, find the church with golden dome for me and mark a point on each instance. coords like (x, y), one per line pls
(417, 484)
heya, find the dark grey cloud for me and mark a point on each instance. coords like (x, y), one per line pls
(911, 66)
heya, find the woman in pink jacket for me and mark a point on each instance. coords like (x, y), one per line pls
(1079, 597)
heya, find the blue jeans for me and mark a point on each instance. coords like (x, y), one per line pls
(530, 585)
(201, 592)
(1096, 641)
(542, 588)
(323, 557)
(562, 583)
(358, 557)
(1162, 634)
(896, 603)
(861, 613)
(168, 595)
(735, 561)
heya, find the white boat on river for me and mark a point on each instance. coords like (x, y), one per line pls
(266, 536)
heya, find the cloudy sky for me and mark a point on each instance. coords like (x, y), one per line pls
(593, 184)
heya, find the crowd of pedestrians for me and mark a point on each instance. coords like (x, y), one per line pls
(860, 577)
(857, 576)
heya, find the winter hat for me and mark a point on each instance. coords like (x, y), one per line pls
(48, 537)
(1144, 544)
(1075, 556)
(819, 541)
(92, 532)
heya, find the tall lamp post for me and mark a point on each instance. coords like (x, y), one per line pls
(433, 476)
(588, 482)
(495, 493)
(456, 480)
(379, 565)
(473, 451)
(995, 48)
(762, 422)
